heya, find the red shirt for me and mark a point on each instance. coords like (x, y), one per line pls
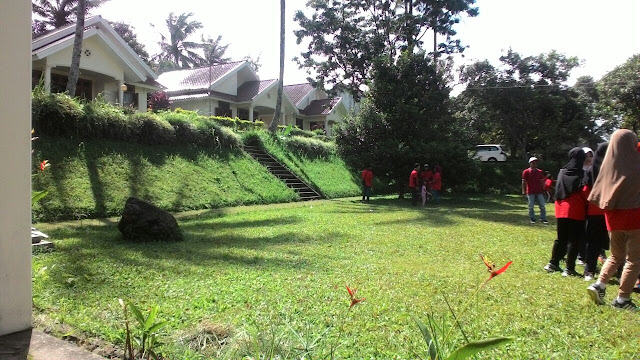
(534, 178)
(367, 177)
(547, 184)
(574, 207)
(413, 179)
(592, 209)
(426, 175)
(626, 219)
(436, 183)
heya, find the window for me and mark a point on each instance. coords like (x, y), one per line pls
(243, 114)
(223, 109)
(84, 88)
(299, 123)
(129, 97)
(36, 75)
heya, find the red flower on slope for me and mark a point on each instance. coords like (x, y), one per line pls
(352, 294)
(491, 267)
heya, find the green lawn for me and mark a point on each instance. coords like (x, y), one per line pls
(266, 274)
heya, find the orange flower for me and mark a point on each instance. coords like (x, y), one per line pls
(44, 164)
(352, 294)
(491, 267)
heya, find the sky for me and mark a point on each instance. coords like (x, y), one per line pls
(602, 34)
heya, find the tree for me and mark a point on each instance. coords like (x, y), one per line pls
(58, 13)
(74, 69)
(526, 103)
(176, 48)
(619, 93)
(127, 33)
(213, 51)
(276, 116)
(346, 37)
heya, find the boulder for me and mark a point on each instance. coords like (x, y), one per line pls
(142, 222)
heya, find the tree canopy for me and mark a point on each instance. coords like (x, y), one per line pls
(127, 33)
(176, 48)
(57, 13)
(619, 95)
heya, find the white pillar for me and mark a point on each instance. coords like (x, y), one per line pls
(15, 157)
(47, 78)
(326, 126)
(142, 100)
(120, 93)
(250, 112)
(282, 120)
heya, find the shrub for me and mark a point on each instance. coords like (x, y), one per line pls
(238, 124)
(56, 114)
(159, 101)
(152, 130)
(299, 132)
(319, 132)
(104, 120)
(310, 147)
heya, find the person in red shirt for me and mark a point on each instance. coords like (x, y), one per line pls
(413, 184)
(367, 183)
(533, 187)
(597, 237)
(571, 206)
(548, 186)
(617, 192)
(426, 175)
(436, 184)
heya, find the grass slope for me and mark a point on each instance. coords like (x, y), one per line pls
(271, 273)
(94, 178)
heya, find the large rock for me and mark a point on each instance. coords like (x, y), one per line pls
(142, 221)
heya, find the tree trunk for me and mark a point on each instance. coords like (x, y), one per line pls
(276, 117)
(74, 70)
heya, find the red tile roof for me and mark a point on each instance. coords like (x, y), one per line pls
(321, 107)
(250, 89)
(193, 79)
(297, 92)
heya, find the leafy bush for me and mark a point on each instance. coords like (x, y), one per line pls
(56, 114)
(238, 124)
(299, 132)
(159, 101)
(107, 121)
(318, 132)
(150, 129)
(310, 147)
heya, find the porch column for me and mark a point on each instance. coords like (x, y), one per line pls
(326, 126)
(234, 111)
(142, 100)
(250, 112)
(47, 78)
(15, 157)
(282, 119)
(120, 92)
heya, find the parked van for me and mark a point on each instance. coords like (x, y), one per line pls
(490, 152)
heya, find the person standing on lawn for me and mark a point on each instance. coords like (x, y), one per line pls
(533, 187)
(413, 184)
(597, 237)
(436, 184)
(548, 186)
(367, 183)
(571, 211)
(617, 192)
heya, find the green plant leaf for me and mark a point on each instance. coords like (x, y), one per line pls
(475, 347)
(37, 196)
(136, 312)
(158, 326)
(152, 316)
(433, 354)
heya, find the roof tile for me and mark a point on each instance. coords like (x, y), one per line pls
(297, 92)
(321, 107)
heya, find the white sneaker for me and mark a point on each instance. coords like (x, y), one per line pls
(588, 277)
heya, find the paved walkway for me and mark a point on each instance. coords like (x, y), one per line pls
(41, 346)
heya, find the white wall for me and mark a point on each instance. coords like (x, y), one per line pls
(199, 105)
(228, 86)
(99, 61)
(15, 160)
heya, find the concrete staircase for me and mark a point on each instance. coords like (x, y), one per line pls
(280, 171)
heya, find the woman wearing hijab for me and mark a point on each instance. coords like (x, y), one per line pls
(597, 238)
(570, 214)
(617, 192)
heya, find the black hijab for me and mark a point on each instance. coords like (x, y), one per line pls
(571, 176)
(598, 156)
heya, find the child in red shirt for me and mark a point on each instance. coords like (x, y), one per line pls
(367, 183)
(548, 186)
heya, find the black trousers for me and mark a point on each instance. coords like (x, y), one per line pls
(414, 196)
(570, 233)
(597, 240)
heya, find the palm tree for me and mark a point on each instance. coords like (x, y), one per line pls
(276, 117)
(213, 50)
(74, 69)
(58, 13)
(176, 48)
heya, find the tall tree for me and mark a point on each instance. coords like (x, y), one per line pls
(213, 50)
(345, 37)
(619, 93)
(74, 69)
(58, 13)
(176, 47)
(276, 117)
(127, 33)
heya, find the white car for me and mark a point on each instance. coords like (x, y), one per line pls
(490, 152)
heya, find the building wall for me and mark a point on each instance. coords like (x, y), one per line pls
(15, 157)
(199, 105)
(228, 86)
(99, 61)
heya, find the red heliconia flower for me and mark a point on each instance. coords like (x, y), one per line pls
(352, 294)
(491, 267)
(44, 164)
